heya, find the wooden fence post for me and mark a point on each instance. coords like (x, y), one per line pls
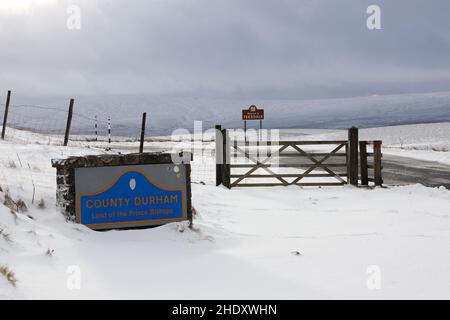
(363, 165)
(69, 122)
(144, 119)
(96, 129)
(352, 163)
(226, 179)
(219, 155)
(377, 166)
(5, 118)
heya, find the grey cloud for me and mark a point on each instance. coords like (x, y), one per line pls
(235, 48)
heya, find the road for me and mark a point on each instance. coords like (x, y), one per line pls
(401, 170)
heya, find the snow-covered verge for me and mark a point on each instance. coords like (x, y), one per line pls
(427, 141)
(246, 243)
(430, 141)
(278, 243)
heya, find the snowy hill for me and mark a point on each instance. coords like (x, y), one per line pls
(166, 114)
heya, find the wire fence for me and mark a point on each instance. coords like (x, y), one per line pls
(39, 124)
(50, 123)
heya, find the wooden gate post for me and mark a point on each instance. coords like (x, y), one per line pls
(226, 179)
(219, 154)
(377, 167)
(5, 118)
(69, 122)
(352, 163)
(363, 165)
(144, 119)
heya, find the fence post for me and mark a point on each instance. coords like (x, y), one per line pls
(352, 163)
(96, 129)
(226, 179)
(219, 154)
(377, 167)
(69, 122)
(144, 119)
(5, 118)
(109, 134)
(363, 165)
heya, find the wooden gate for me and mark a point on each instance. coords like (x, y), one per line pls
(300, 163)
(287, 163)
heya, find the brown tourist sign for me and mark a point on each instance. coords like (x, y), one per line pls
(252, 113)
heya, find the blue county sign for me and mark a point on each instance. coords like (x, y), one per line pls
(130, 196)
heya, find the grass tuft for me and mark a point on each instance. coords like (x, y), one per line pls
(15, 205)
(9, 275)
(41, 204)
(11, 164)
(5, 236)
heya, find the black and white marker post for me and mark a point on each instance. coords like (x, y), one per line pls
(109, 134)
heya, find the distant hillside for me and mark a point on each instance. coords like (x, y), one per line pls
(166, 114)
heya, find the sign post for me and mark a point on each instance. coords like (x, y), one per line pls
(260, 129)
(245, 130)
(252, 113)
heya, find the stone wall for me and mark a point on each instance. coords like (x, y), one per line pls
(65, 174)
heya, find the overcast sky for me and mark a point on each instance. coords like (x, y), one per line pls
(225, 48)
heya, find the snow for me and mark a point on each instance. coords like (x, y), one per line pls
(168, 113)
(243, 244)
(430, 141)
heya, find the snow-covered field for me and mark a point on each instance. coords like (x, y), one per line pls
(255, 243)
(430, 141)
(167, 113)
